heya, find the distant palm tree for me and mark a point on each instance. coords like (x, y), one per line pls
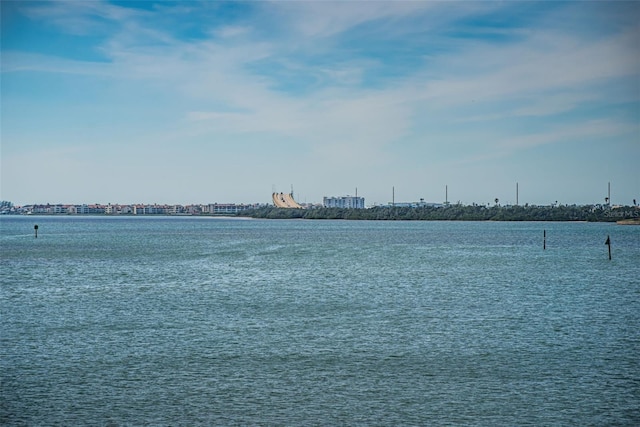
(634, 202)
(606, 200)
(496, 200)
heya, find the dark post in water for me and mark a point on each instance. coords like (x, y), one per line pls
(608, 243)
(35, 228)
(544, 240)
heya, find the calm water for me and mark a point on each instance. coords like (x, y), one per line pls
(203, 321)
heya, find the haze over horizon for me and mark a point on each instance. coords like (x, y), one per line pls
(203, 102)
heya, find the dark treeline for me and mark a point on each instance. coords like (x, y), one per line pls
(593, 213)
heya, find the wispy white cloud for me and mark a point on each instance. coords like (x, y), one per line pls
(589, 130)
(232, 31)
(15, 62)
(324, 19)
(533, 66)
(81, 17)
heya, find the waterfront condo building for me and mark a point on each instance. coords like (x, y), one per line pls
(343, 202)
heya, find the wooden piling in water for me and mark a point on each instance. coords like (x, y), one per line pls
(608, 243)
(544, 240)
(35, 229)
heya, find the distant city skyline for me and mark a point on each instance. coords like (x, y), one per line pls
(188, 102)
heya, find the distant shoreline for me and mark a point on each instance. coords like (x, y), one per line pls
(631, 221)
(102, 215)
(624, 215)
(589, 213)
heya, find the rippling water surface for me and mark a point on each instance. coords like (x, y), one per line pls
(209, 321)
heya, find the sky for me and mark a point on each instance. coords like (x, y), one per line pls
(225, 102)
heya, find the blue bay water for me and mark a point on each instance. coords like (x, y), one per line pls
(211, 321)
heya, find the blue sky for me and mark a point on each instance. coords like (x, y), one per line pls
(202, 102)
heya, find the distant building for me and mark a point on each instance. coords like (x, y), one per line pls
(227, 208)
(343, 202)
(59, 209)
(135, 209)
(420, 204)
